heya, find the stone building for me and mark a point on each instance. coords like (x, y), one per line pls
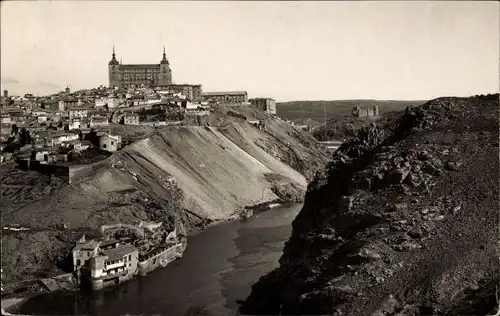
(267, 105)
(83, 251)
(100, 263)
(130, 75)
(79, 112)
(192, 92)
(110, 142)
(131, 119)
(365, 112)
(228, 97)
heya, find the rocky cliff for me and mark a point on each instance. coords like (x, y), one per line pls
(198, 175)
(403, 221)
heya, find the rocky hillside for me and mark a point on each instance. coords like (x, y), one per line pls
(403, 221)
(197, 175)
(346, 127)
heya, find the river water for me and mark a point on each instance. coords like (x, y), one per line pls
(218, 268)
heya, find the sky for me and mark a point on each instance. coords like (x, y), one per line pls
(391, 50)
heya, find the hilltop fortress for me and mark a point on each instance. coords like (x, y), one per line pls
(129, 75)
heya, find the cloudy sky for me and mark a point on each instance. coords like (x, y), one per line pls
(286, 50)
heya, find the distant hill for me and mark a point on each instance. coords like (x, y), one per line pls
(19, 87)
(314, 110)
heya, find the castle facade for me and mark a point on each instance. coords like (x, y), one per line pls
(135, 75)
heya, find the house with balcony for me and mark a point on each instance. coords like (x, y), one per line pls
(100, 263)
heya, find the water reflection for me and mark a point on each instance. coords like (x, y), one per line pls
(217, 269)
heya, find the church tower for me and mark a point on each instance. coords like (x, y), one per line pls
(165, 71)
(114, 71)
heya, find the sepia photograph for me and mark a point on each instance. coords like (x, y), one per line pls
(212, 158)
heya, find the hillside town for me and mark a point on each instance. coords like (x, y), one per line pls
(47, 133)
(66, 133)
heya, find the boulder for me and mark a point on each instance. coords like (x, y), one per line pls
(424, 155)
(399, 175)
(387, 307)
(407, 246)
(398, 207)
(431, 169)
(368, 253)
(452, 166)
(346, 203)
(413, 180)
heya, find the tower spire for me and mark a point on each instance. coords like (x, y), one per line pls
(113, 59)
(164, 60)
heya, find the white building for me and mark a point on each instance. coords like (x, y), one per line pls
(113, 103)
(37, 113)
(75, 123)
(78, 112)
(100, 102)
(6, 119)
(65, 137)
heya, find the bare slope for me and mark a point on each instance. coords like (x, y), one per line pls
(404, 221)
(198, 175)
(217, 175)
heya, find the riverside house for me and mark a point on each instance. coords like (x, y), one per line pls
(100, 263)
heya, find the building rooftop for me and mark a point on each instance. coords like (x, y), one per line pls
(262, 98)
(223, 93)
(89, 245)
(183, 85)
(97, 118)
(115, 137)
(108, 242)
(139, 66)
(119, 252)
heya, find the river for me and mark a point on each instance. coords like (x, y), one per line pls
(218, 268)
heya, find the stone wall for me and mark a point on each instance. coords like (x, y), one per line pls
(59, 171)
(106, 229)
(78, 172)
(161, 259)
